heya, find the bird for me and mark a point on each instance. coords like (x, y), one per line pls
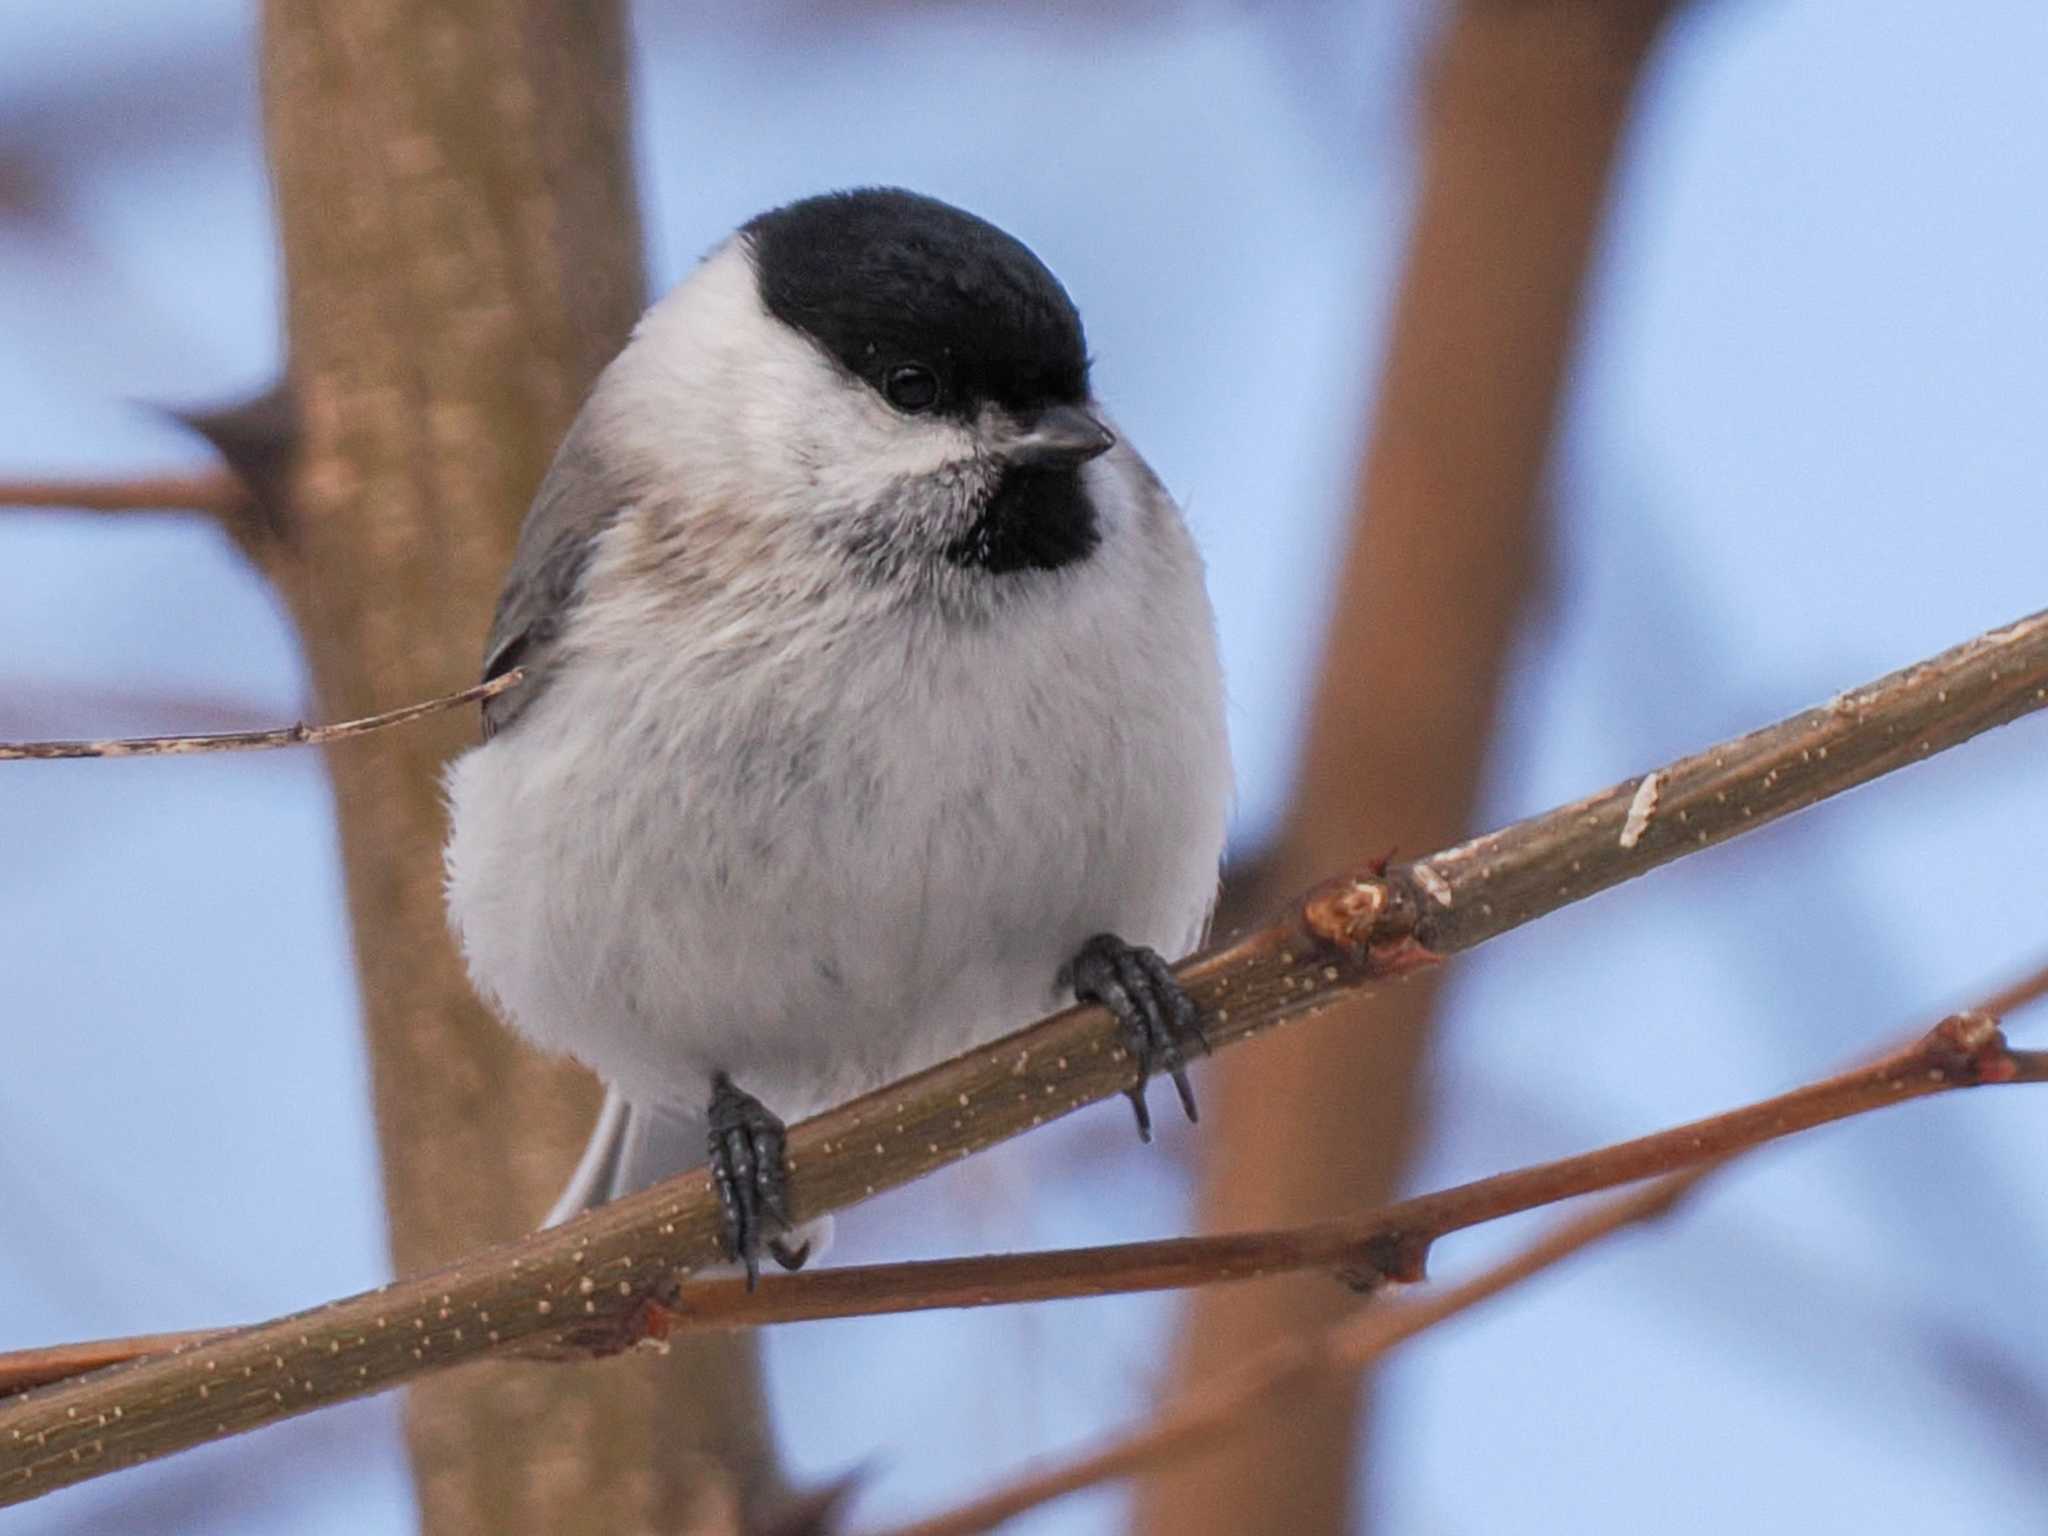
(870, 705)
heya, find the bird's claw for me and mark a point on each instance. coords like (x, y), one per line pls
(1160, 1024)
(747, 1166)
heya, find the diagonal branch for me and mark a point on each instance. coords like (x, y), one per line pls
(2023, 993)
(299, 735)
(1225, 1405)
(1486, 886)
(601, 1271)
(1219, 1409)
(1391, 1242)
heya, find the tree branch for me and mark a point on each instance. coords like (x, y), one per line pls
(299, 735)
(1224, 1406)
(21, 1369)
(2021, 994)
(1390, 1242)
(602, 1270)
(462, 250)
(1491, 884)
(257, 440)
(216, 490)
(1217, 1410)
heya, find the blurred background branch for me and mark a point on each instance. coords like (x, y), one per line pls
(204, 490)
(257, 441)
(462, 253)
(1522, 115)
(617, 1267)
(1268, 1390)
(1365, 1250)
(1207, 1417)
(1802, 447)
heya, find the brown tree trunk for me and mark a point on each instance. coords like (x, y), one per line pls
(462, 254)
(1523, 114)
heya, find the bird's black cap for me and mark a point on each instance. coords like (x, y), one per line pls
(882, 278)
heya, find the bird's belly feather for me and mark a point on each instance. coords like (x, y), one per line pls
(818, 899)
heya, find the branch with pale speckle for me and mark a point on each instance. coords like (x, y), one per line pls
(603, 1278)
(1389, 1243)
(1964, 1050)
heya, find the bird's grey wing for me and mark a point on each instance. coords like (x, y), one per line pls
(576, 502)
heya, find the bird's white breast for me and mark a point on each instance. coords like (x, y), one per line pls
(822, 855)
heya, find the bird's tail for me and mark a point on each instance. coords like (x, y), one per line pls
(631, 1147)
(591, 1184)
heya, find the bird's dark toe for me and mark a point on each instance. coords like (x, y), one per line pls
(749, 1170)
(1159, 1021)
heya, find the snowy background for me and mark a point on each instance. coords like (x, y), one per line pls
(1807, 445)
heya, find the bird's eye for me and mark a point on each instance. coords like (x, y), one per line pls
(911, 387)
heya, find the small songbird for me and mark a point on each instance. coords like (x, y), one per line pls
(871, 705)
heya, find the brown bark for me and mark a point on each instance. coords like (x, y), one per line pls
(216, 490)
(270, 739)
(602, 1281)
(462, 254)
(1523, 115)
(1965, 1050)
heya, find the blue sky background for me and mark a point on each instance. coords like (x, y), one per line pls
(1806, 446)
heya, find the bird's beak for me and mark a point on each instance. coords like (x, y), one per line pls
(1060, 436)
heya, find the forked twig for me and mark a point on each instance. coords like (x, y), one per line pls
(601, 1273)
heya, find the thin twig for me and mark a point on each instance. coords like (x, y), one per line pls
(299, 735)
(22, 1369)
(246, 492)
(217, 490)
(2023, 993)
(1228, 1404)
(1221, 1408)
(602, 1271)
(1390, 1242)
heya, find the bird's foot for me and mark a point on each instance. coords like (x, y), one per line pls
(748, 1168)
(1159, 1022)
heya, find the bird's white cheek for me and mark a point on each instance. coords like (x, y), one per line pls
(861, 454)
